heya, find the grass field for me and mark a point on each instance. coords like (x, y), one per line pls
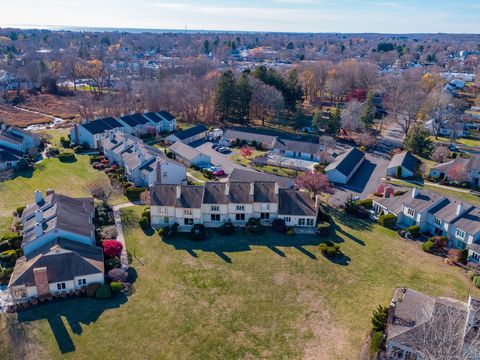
(467, 141)
(245, 296)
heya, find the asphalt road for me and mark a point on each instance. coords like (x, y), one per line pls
(218, 159)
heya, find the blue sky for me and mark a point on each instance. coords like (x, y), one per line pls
(401, 16)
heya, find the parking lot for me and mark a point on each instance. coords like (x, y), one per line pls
(219, 159)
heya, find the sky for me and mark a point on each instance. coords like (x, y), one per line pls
(347, 16)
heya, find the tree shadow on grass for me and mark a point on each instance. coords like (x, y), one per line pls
(76, 312)
(242, 241)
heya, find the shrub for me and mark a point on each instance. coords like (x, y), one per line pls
(376, 343)
(379, 318)
(95, 159)
(279, 225)
(398, 174)
(8, 257)
(227, 228)
(428, 246)
(329, 249)
(92, 288)
(362, 213)
(146, 213)
(414, 231)
(5, 275)
(476, 281)
(133, 193)
(253, 226)
(112, 248)
(66, 157)
(440, 241)
(198, 232)
(350, 205)
(290, 232)
(366, 203)
(118, 275)
(116, 287)
(4, 246)
(163, 231)
(323, 228)
(464, 256)
(103, 292)
(14, 240)
(471, 274)
(108, 232)
(120, 171)
(77, 149)
(19, 211)
(387, 220)
(399, 193)
(144, 223)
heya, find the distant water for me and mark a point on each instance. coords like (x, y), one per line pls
(111, 29)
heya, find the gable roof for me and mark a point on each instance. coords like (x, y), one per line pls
(264, 192)
(185, 134)
(253, 175)
(63, 259)
(299, 146)
(101, 125)
(215, 193)
(153, 117)
(469, 221)
(231, 134)
(423, 200)
(346, 162)
(166, 115)
(404, 159)
(295, 202)
(134, 120)
(191, 196)
(8, 156)
(184, 151)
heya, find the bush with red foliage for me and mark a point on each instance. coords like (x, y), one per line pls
(112, 248)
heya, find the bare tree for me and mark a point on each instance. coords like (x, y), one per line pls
(442, 109)
(101, 190)
(351, 115)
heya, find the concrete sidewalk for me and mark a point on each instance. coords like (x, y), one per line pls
(120, 236)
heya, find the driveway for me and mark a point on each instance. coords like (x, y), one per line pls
(365, 181)
(218, 159)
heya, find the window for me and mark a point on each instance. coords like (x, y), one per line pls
(240, 207)
(163, 210)
(265, 216)
(215, 217)
(187, 212)
(461, 244)
(301, 222)
(475, 257)
(265, 207)
(165, 220)
(215, 208)
(240, 217)
(60, 286)
(82, 282)
(165, 174)
(438, 221)
(188, 221)
(411, 212)
(309, 222)
(287, 219)
(460, 234)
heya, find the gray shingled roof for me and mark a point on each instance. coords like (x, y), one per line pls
(295, 202)
(404, 159)
(248, 136)
(264, 192)
(299, 146)
(469, 221)
(215, 193)
(346, 162)
(424, 200)
(184, 151)
(166, 195)
(64, 260)
(185, 134)
(253, 175)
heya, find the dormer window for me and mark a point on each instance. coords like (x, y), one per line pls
(460, 234)
(411, 212)
(438, 221)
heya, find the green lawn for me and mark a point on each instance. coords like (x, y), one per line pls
(269, 296)
(468, 141)
(54, 135)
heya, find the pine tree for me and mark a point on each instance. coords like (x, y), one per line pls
(225, 96)
(368, 116)
(334, 123)
(316, 120)
(418, 141)
(244, 96)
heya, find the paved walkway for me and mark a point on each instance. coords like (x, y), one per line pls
(120, 236)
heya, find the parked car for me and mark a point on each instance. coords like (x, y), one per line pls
(216, 146)
(219, 172)
(203, 166)
(223, 150)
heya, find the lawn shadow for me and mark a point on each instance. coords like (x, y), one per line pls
(77, 312)
(340, 259)
(242, 241)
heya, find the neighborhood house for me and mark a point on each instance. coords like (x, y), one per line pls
(344, 166)
(14, 144)
(189, 136)
(406, 162)
(470, 167)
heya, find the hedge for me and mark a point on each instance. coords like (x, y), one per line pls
(19, 210)
(428, 246)
(329, 249)
(279, 225)
(66, 157)
(116, 287)
(366, 203)
(77, 149)
(414, 231)
(133, 193)
(103, 292)
(323, 228)
(476, 281)
(387, 220)
(253, 226)
(92, 288)
(227, 228)
(376, 343)
(164, 230)
(144, 223)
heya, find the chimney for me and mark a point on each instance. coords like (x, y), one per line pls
(38, 230)
(158, 169)
(227, 188)
(50, 192)
(414, 192)
(3, 126)
(132, 112)
(38, 216)
(317, 202)
(460, 209)
(145, 111)
(387, 192)
(122, 114)
(84, 120)
(75, 132)
(252, 191)
(179, 191)
(38, 197)
(276, 188)
(41, 281)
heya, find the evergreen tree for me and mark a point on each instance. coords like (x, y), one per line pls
(316, 120)
(334, 123)
(368, 116)
(244, 95)
(225, 96)
(418, 141)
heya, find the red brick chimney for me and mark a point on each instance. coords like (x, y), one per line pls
(41, 281)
